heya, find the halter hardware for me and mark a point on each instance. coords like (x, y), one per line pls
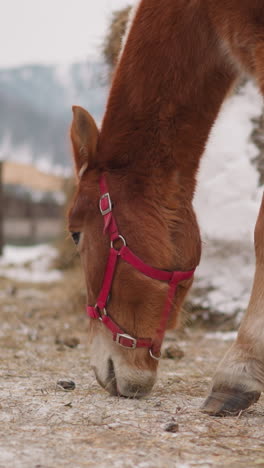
(112, 243)
(107, 206)
(101, 312)
(127, 337)
(157, 358)
(173, 278)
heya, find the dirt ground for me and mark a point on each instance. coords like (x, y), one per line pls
(44, 426)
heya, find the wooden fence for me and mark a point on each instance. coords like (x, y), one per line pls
(27, 221)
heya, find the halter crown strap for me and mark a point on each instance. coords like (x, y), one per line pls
(171, 277)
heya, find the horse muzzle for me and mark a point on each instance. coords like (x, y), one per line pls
(124, 380)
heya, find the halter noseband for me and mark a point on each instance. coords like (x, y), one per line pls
(99, 310)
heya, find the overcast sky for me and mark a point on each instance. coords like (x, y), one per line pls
(53, 31)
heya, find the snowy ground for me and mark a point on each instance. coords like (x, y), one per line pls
(29, 264)
(43, 426)
(227, 203)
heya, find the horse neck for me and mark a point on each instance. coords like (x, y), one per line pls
(168, 88)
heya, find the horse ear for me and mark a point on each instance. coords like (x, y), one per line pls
(84, 136)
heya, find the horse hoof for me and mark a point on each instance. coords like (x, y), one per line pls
(224, 401)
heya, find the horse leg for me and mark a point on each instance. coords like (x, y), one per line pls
(239, 379)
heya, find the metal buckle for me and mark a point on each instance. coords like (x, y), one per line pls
(101, 312)
(157, 358)
(109, 209)
(128, 337)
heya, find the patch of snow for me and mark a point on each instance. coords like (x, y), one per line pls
(29, 264)
(45, 165)
(228, 196)
(227, 202)
(224, 336)
(18, 255)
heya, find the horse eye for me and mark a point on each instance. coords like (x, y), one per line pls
(75, 237)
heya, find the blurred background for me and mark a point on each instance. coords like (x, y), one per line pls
(63, 53)
(57, 55)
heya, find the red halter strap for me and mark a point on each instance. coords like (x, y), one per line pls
(99, 310)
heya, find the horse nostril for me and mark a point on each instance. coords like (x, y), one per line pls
(111, 385)
(111, 370)
(138, 385)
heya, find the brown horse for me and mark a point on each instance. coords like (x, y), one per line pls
(180, 60)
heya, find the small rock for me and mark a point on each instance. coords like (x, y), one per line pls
(60, 347)
(66, 385)
(173, 352)
(12, 290)
(71, 342)
(33, 336)
(172, 427)
(157, 404)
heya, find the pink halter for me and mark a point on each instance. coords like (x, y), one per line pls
(99, 310)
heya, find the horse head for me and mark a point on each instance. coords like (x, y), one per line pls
(161, 235)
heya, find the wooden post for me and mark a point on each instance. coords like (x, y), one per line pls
(1, 209)
(32, 221)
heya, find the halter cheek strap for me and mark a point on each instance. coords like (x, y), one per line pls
(99, 311)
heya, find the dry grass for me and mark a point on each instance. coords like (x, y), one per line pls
(112, 43)
(43, 426)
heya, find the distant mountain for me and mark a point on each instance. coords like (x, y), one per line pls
(35, 108)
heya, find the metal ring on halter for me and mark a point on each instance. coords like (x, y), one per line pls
(104, 311)
(116, 239)
(154, 357)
